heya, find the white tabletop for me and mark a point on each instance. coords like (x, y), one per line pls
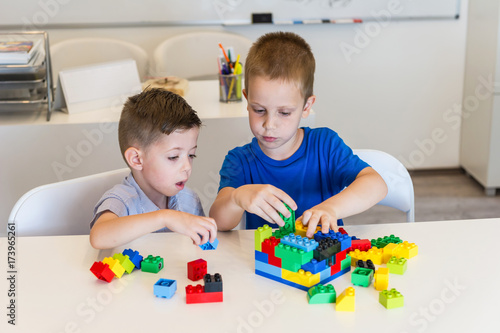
(203, 96)
(451, 286)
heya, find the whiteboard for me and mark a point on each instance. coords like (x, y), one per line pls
(36, 14)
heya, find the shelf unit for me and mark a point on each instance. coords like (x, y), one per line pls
(480, 133)
(28, 88)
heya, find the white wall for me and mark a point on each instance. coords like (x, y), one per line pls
(395, 92)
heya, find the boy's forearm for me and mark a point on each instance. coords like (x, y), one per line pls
(224, 211)
(121, 230)
(364, 192)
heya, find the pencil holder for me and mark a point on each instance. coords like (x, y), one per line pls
(230, 88)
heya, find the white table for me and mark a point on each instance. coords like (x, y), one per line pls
(451, 286)
(38, 152)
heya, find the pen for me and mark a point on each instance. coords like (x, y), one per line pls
(225, 56)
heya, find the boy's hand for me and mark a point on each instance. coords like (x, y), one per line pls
(200, 229)
(265, 201)
(322, 213)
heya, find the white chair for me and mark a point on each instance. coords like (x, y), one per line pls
(87, 51)
(400, 193)
(194, 55)
(63, 208)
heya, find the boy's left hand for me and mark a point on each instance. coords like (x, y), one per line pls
(322, 213)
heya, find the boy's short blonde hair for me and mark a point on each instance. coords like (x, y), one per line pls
(285, 56)
(152, 113)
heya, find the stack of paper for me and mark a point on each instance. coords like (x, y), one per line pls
(17, 52)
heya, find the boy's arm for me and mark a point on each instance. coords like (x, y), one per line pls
(110, 230)
(364, 192)
(265, 201)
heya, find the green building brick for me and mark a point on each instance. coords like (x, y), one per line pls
(125, 262)
(289, 226)
(346, 263)
(292, 258)
(397, 266)
(391, 299)
(321, 294)
(382, 242)
(152, 264)
(362, 276)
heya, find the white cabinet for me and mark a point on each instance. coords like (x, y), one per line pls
(480, 134)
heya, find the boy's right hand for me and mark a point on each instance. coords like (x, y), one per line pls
(200, 229)
(265, 201)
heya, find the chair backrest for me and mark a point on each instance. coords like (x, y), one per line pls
(63, 208)
(400, 193)
(88, 51)
(194, 55)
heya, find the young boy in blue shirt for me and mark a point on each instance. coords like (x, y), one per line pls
(311, 170)
(158, 133)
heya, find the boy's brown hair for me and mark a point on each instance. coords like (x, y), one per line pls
(152, 113)
(285, 56)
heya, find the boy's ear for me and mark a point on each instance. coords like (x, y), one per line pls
(308, 106)
(133, 158)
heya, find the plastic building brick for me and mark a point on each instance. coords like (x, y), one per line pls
(299, 242)
(381, 242)
(366, 264)
(335, 267)
(102, 271)
(314, 266)
(326, 249)
(125, 262)
(374, 254)
(301, 229)
(360, 244)
(268, 269)
(292, 258)
(262, 233)
(344, 240)
(115, 266)
(362, 277)
(301, 277)
(390, 250)
(152, 264)
(391, 299)
(321, 294)
(165, 288)
(197, 294)
(346, 263)
(346, 300)
(342, 231)
(210, 246)
(213, 283)
(397, 266)
(407, 250)
(268, 246)
(134, 256)
(289, 226)
(196, 269)
(261, 256)
(381, 278)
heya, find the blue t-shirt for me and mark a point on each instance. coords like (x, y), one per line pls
(322, 167)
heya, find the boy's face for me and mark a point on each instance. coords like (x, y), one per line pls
(275, 108)
(166, 164)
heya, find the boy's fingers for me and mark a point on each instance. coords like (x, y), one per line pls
(312, 223)
(285, 198)
(278, 205)
(271, 216)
